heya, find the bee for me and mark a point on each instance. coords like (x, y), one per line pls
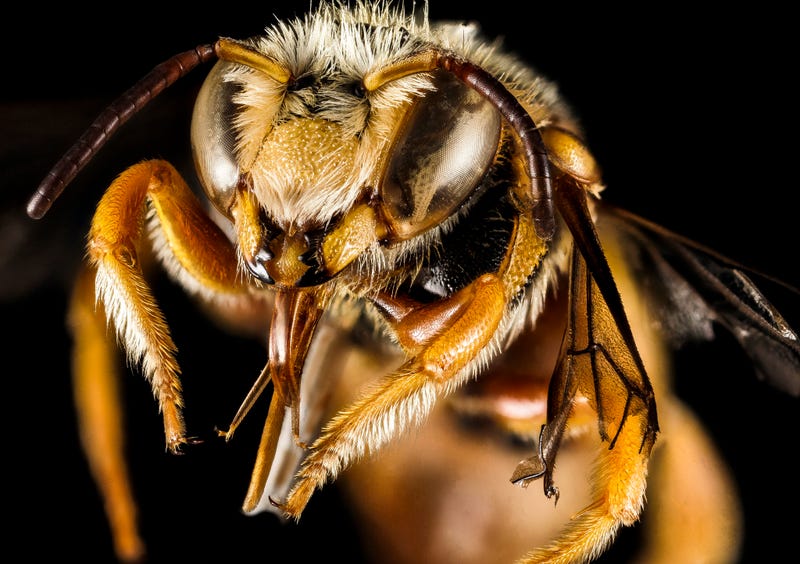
(416, 218)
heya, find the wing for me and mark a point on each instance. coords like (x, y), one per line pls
(695, 287)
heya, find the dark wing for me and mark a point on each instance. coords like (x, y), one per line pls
(695, 287)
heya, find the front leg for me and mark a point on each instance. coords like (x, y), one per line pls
(192, 247)
(443, 338)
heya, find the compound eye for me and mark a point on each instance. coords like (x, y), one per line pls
(214, 138)
(443, 150)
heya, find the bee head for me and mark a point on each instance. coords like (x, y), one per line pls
(323, 166)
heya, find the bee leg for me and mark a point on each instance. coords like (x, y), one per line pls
(99, 410)
(600, 361)
(442, 338)
(618, 483)
(191, 247)
(693, 513)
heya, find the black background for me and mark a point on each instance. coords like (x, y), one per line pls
(691, 115)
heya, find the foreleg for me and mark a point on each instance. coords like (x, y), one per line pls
(192, 247)
(444, 338)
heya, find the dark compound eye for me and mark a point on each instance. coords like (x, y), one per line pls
(214, 139)
(447, 143)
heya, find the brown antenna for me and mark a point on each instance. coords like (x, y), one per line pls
(107, 123)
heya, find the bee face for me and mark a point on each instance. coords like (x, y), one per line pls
(291, 123)
(368, 158)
